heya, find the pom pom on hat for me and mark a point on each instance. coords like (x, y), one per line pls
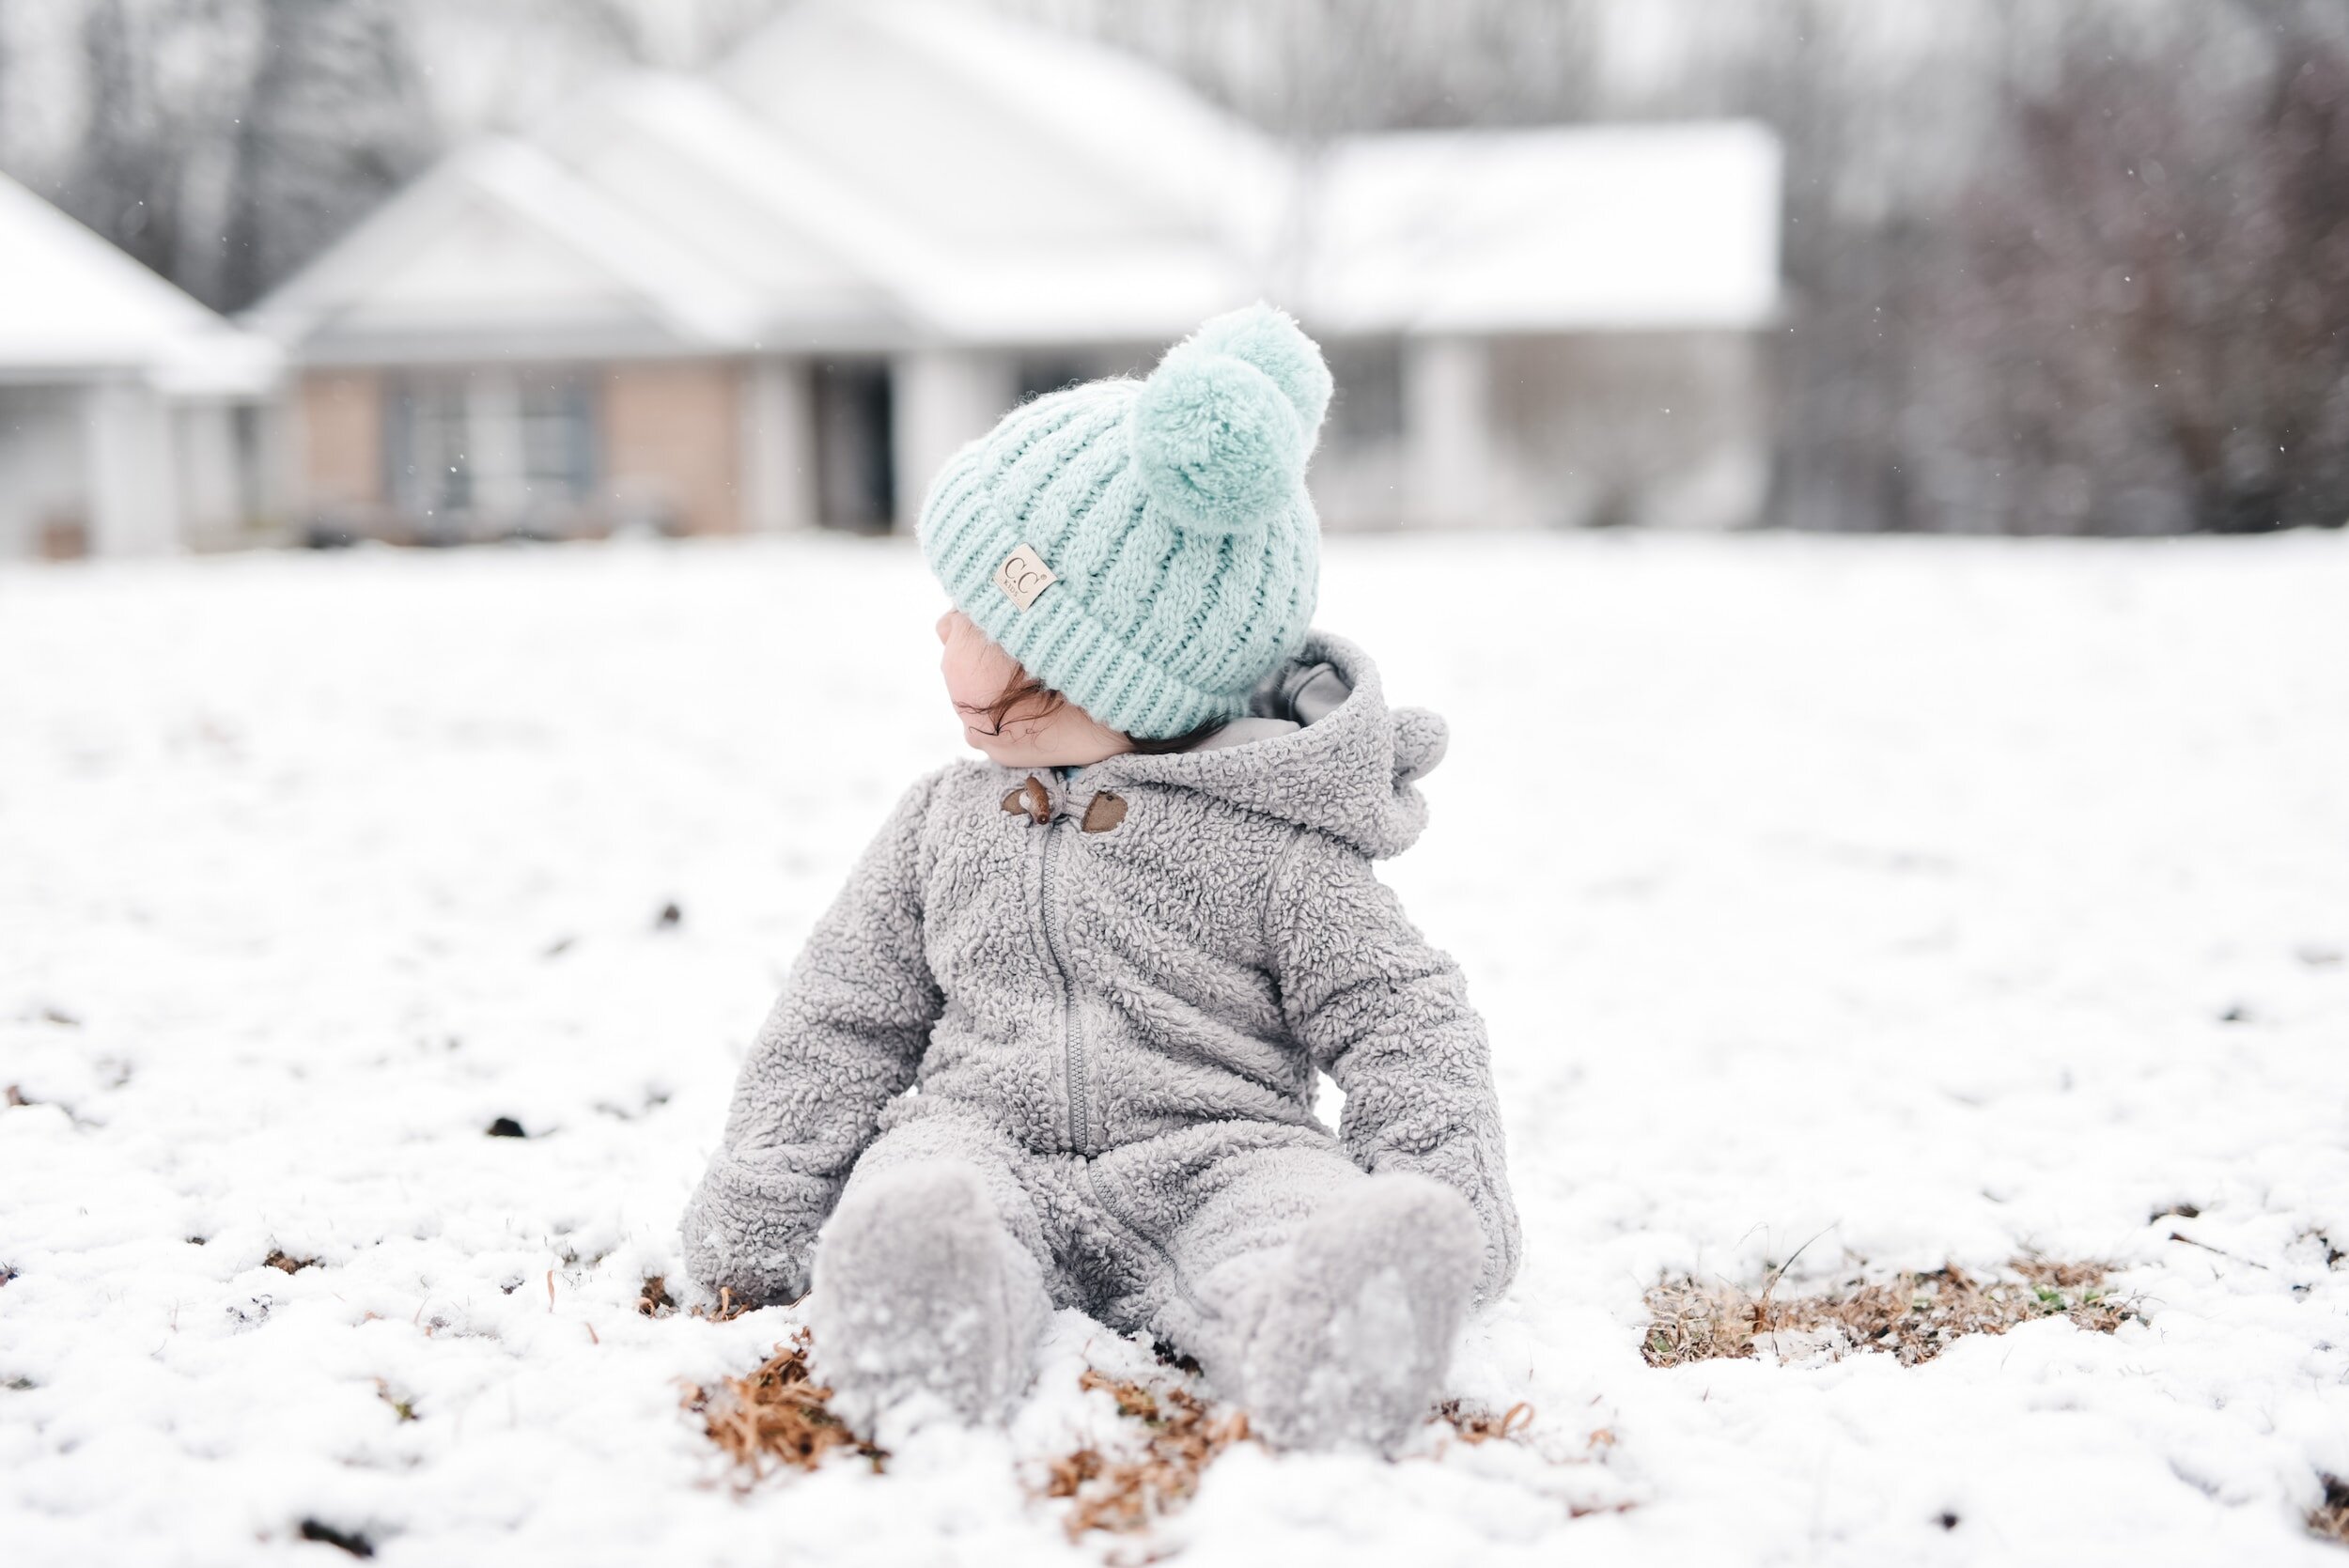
(1270, 341)
(1222, 428)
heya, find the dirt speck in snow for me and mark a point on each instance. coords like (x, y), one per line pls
(778, 1415)
(350, 1540)
(1912, 1316)
(404, 1407)
(505, 1126)
(280, 1259)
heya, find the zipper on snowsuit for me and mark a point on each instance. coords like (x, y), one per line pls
(1073, 1060)
(1072, 1038)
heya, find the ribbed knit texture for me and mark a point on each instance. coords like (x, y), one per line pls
(1173, 515)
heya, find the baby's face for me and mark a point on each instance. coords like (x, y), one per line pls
(977, 672)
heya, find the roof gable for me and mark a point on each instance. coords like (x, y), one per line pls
(1561, 228)
(498, 248)
(975, 126)
(75, 305)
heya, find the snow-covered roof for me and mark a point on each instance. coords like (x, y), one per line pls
(1596, 227)
(73, 307)
(869, 174)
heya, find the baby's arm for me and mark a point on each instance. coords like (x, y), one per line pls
(841, 1040)
(1387, 1017)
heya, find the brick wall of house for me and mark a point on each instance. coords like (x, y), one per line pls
(342, 439)
(672, 443)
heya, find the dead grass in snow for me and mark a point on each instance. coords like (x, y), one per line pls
(1476, 1427)
(1914, 1316)
(2329, 1520)
(1182, 1436)
(778, 1415)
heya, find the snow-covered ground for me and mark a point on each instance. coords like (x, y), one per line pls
(1922, 901)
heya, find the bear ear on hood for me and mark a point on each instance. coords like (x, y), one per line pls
(1222, 428)
(1420, 738)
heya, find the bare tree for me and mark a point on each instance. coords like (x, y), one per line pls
(333, 123)
(2144, 314)
(128, 182)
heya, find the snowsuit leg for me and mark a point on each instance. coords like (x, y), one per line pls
(1325, 1300)
(928, 1279)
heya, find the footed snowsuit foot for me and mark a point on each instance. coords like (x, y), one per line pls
(924, 1306)
(1354, 1326)
(1323, 1301)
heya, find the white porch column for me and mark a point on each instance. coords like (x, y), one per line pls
(779, 446)
(1447, 423)
(133, 478)
(211, 495)
(940, 398)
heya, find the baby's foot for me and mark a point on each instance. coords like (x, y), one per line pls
(923, 1305)
(1358, 1324)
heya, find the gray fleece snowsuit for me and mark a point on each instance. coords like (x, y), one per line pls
(1101, 1004)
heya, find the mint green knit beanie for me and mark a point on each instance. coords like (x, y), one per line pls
(1147, 548)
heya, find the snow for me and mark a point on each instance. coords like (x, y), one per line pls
(72, 307)
(1612, 227)
(1886, 895)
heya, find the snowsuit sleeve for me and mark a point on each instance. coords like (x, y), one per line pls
(841, 1040)
(1387, 1017)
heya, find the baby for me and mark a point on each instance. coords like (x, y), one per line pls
(1057, 1042)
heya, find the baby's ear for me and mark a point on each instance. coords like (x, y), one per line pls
(1420, 738)
(1222, 428)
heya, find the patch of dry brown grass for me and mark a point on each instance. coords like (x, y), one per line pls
(1477, 1426)
(2329, 1520)
(726, 1310)
(1913, 1316)
(1181, 1436)
(777, 1415)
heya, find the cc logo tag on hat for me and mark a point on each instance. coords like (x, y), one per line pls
(1023, 575)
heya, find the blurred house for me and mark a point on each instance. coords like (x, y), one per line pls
(778, 295)
(130, 415)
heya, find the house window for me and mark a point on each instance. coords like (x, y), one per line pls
(855, 450)
(1040, 374)
(492, 451)
(1048, 371)
(1366, 406)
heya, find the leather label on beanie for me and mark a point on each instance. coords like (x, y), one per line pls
(1023, 575)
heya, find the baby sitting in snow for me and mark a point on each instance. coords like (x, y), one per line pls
(1109, 960)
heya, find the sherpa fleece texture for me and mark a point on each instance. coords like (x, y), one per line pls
(1115, 1021)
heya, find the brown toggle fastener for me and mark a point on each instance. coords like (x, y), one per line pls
(1106, 812)
(1030, 797)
